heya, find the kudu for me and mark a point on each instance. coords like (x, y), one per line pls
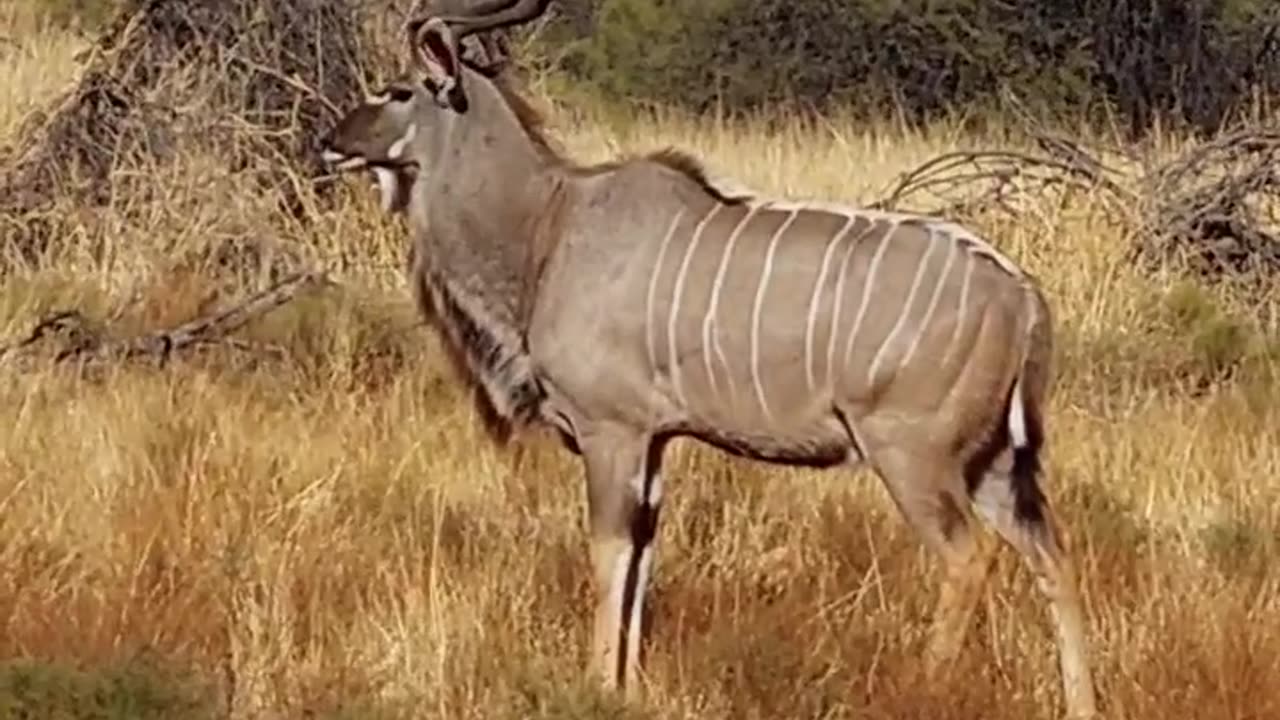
(631, 302)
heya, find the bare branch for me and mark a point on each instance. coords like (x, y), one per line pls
(993, 175)
(1217, 204)
(83, 344)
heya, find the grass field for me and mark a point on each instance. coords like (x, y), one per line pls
(324, 531)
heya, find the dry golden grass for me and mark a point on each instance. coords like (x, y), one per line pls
(329, 532)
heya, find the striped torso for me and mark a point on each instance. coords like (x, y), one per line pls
(760, 318)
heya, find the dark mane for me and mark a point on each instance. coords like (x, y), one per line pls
(671, 159)
(689, 166)
(534, 126)
(531, 121)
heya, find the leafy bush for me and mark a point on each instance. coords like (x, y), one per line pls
(33, 690)
(1196, 61)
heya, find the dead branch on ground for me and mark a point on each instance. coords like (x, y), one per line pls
(78, 338)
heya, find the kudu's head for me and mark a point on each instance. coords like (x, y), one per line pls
(384, 133)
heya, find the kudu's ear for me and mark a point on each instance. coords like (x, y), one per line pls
(434, 47)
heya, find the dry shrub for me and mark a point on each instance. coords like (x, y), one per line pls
(1210, 209)
(252, 82)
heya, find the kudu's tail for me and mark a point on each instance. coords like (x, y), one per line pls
(1025, 412)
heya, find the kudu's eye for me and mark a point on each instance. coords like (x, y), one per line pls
(401, 94)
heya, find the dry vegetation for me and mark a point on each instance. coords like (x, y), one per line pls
(311, 524)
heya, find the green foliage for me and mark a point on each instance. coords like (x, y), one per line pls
(1216, 342)
(31, 690)
(1192, 60)
(643, 48)
(1239, 545)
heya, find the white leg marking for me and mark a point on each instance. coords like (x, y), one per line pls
(867, 286)
(960, 311)
(618, 596)
(387, 184)
(643, 568)
(905, 312)
(709, 320)
(813, 301)
(676, 298)
(761, 286)
(648, 490)
(654, 497)
(839, 301)
(650, 495)
(933, 302)
(653, 288)
(399, 146)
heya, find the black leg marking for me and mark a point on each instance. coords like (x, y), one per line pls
(644, 524)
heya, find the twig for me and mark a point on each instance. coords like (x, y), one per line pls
(1214, 204)
(949, 173)
(58, 321)
(203, 331)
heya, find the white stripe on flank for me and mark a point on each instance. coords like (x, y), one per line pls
(813, 301)
(834, 331)
(867, 285)
(676, 297)
(653, 287)
(709, 320)
(761, 286)
(905, 312)
(840, 209)
(980, 246)
(960, 312)
(983, 248)
(933, 303)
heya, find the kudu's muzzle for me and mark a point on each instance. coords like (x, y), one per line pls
(338, 159)
(392, 186)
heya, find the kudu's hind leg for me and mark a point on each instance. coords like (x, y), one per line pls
(623, 495)
(930, 493)
(1023, 518)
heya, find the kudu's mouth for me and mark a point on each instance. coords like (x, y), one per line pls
(392, 186)
(341, 162)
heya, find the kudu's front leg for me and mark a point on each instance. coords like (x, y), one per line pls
(623, 494)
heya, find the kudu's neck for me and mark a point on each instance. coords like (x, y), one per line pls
(487, 202)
